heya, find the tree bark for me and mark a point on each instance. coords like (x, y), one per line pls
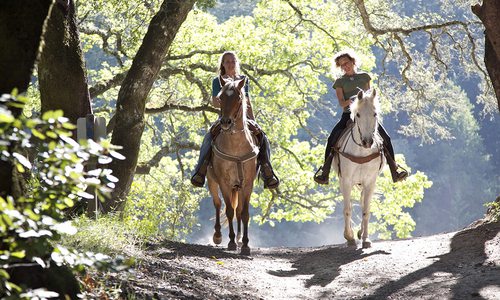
(131, 103)
(489, 14)
(21, 26)
(61, 70)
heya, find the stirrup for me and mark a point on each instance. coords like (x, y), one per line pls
(400, 176)
(272, 181)
(320, 178)
(198, 180)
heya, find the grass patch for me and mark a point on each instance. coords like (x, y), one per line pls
(106, 234)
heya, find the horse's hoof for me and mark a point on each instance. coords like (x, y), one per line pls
(232, 246)
(245, 250)
(351, 243)
(217, 239)
(367, 244)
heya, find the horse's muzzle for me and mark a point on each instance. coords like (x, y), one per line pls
(226, 123)
(367, 143)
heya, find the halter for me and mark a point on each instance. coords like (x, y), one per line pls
(237, 115)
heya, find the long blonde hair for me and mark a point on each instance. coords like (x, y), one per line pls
(221, 70)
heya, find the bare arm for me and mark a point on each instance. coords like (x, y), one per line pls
(250, 109)
(340, 96)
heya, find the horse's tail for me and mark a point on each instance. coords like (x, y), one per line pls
(234, 199)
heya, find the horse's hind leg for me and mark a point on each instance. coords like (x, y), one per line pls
(238, 220)
(213, 187)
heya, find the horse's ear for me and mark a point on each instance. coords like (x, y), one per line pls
(241, 83)
(360, 94)
(374, 93)
(222, 81)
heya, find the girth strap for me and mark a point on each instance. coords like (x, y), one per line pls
(238, 159)
(361, 159)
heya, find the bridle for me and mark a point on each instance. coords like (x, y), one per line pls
(237, 115)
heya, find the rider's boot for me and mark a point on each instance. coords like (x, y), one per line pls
(322, 175)
(198, 178)
(271, 181)
(393, 166)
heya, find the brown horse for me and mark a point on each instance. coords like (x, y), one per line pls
(233, 164)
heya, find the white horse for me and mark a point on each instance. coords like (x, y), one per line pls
(358, 161)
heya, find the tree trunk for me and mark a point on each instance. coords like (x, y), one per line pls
(489, 14)
(21, 23)
(61, 70)
(131, 103)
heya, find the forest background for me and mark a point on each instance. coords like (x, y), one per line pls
(437, 102)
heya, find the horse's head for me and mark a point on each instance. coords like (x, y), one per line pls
(232, 104)
(364, 112)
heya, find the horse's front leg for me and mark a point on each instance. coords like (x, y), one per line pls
(213, 187)
(245, 215)
(366, 197)
(345, 188)
(230, 215)
(238, 218)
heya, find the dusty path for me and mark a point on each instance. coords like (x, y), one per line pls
(460, 265)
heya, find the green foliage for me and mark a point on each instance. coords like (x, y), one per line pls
(393, 201)
(494, 210)
(155, 209)
(32, 224)
(106, 234)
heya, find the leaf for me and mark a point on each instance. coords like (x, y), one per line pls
(85, 195)
(6, 116)
(23, 160)
(4, 274)
(51, 134)
(40, 261)
(38, 134)
(18, 254)
(52, 115)
(66, 228)
(116, 155)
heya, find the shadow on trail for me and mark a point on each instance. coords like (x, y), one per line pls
(467, 249)
(172, 250)
(323, 264)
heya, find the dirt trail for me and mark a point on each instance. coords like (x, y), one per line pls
(459, 265)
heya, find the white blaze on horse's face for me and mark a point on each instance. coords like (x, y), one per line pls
(364, 113)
